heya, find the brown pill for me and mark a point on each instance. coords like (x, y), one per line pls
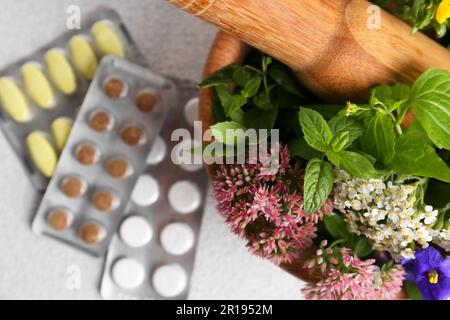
(114, 88)
(117, 168)
(100, 121)
(104, 201)
(86, 154)
(132, 135)
(60, 220)
(92, 233)
(146, 101)
(73, 187)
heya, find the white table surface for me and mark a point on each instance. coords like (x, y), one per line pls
(33, 267)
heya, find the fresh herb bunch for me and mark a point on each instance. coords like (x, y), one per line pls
(376, 146)
(265, 95)
(422, 14)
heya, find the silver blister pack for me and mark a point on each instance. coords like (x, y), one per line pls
(106, 152)
(50, 84)
(152, 255)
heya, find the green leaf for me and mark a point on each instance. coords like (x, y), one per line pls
(241, 76)
(356, 165)
(252, 87)
(262, 101)
(416, 128)
(217, 111)
(260, 119)
(430, 101)
(333, 157)
(315, 129)
(378, 138)
(413, 291)
(414, 156)
(223, 76)
(284, 77)
(231, 103)
(318, 184)
(340, 142)
(341, 123)
(266, 62)
(299, 148)
(363, 248)
(225, 132)
(390, 97)
(336, 226)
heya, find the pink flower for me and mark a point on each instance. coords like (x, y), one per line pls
(266, 207)
(346, 277)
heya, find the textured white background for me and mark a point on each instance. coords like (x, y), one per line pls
(34, 267)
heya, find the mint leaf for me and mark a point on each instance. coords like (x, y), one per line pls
(414, 156)
(226, 132)
(430, 100)
(262, 101)
(318, 184)
(241, 76)
(284, 77)
(340, 142)
(363, 248)
(299, 148)
(336, 226)
(231, 103)
(315, 129)
(390, 97)
(378, 139)
(351, 125)
(333, 157)
(222, 76)
(252, 87)
(260, 119)
(356, 165)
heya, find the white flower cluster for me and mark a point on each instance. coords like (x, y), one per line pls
(386, 214)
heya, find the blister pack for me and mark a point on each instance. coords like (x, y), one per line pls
(41, 93)
(152, 255)
(105, 154)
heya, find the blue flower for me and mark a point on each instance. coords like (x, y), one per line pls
(431, 273)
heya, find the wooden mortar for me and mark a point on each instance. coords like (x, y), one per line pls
(330, 45)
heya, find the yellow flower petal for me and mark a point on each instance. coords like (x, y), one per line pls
(443, 11)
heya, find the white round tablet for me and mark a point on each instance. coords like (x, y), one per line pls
(183, 156)
(170, 280)
(158, 152)
(128, 273)
(177, 238)
(146, 191)
(191, 111)
(135, 231)
(184, 197)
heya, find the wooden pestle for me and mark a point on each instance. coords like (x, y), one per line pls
(327, 43)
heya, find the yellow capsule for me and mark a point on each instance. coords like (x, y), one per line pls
(61, 71)
(37, 86)
(106, 40)
(42, 152)
(13, 101)
(83, 56)
(61, 128)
